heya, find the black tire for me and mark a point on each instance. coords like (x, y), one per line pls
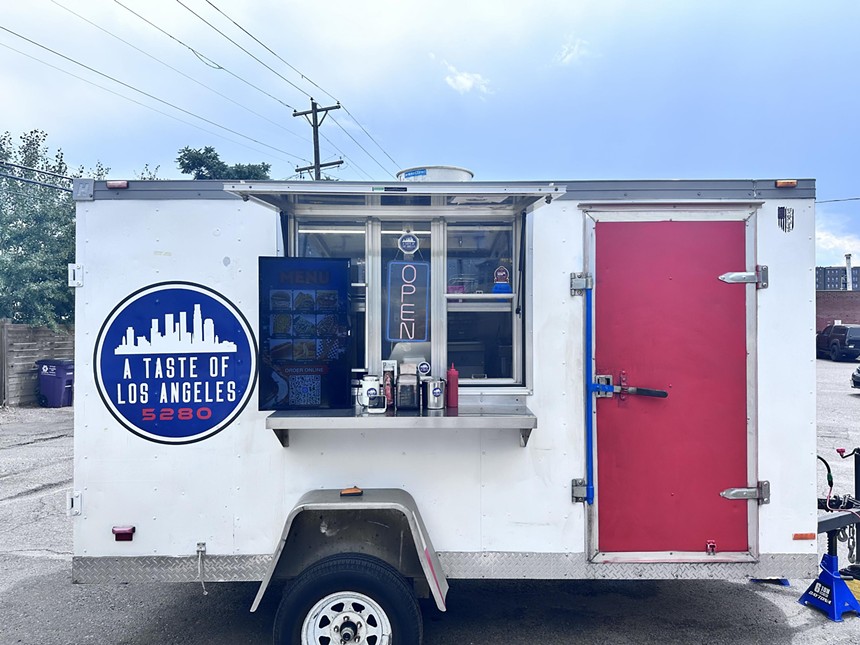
(835, 354)
(351, 574)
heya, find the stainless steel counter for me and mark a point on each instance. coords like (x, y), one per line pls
(465, 417)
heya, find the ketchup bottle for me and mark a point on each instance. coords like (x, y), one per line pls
(453, 385)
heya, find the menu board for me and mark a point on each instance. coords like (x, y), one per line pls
(304, 333)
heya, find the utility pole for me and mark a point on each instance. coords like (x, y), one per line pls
(316, 122)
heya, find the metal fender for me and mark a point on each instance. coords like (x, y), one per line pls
(394, 501)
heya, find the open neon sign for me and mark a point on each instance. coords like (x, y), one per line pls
(408, 302)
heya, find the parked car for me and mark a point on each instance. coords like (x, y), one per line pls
(838, 342)
(855, 378)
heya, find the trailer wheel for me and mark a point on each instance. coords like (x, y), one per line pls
(349, 598)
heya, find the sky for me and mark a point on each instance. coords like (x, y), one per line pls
(539, 90)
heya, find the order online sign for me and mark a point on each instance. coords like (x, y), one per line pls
(175, 362)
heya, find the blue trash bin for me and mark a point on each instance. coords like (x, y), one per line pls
(56, 382)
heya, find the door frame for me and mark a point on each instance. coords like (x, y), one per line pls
(661, 211)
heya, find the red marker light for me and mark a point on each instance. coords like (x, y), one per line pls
(123, 533)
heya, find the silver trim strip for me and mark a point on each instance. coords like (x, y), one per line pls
(158, 568)
(456, 564)
(560, 566)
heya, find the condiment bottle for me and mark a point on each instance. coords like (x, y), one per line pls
(453, 399)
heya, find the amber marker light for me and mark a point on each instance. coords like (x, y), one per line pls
(117, 183)
(786, 183)
(803, 536)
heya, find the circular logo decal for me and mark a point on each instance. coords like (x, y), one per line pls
(175, 362)
(408, 243)
(437, 391)
(424, 368)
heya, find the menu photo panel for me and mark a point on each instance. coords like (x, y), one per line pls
(304, 333)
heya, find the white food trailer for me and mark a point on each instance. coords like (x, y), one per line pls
(636, 387)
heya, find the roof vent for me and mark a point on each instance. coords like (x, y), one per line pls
(435, 173)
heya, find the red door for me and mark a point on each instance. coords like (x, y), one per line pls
(664, 319)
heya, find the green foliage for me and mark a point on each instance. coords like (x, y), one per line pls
(205, 163)
(37, 233)
(148, 174)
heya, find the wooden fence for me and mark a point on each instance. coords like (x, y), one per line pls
(20, 347)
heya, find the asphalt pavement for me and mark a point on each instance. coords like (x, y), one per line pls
(40, 606)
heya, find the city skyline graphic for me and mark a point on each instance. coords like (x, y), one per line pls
(176, 339)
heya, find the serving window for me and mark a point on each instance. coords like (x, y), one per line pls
(347, 240)
(444, 289)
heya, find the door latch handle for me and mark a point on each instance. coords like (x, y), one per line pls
(604, 387)
(646, 391)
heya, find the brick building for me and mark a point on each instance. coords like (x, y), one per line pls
(836, 305)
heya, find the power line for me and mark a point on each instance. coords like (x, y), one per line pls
(148, 107)
(37, 183)
(180, 72)
(362, 147)
(288, 81)
(267, 48)
(264, 65)
(306, 78)
(205, 59)
(369, 136)
(182, 4)
(41, 172)
(155, 98)
(846, 199)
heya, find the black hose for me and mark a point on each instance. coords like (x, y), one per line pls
(829, 472)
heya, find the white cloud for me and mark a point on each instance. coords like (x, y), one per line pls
(466, 81)
(832, 241)
(574, 50)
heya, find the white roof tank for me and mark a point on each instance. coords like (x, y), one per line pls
(435, 173)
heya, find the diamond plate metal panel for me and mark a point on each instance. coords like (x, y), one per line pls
(464, 565)
(216, 568)
(560, 566)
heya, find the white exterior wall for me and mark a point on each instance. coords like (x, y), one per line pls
(786, 378)
(175, 495)
(526, 503)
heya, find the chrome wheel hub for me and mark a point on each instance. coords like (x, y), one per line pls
(344, 618)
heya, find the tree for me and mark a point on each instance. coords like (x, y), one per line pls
(148, 174)
(37, 232)
(205, 163)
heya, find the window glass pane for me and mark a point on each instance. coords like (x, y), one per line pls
(480, 258)
(405, 283)
(334, 240)
(341, 240)
(482, 329)
(479, 344)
